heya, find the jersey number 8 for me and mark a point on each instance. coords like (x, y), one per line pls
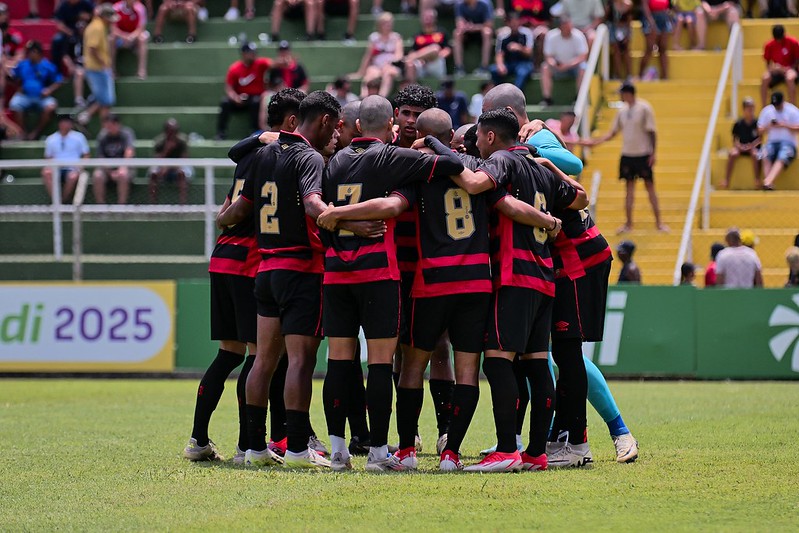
(540, 234)
(269, 222)
(458, 208)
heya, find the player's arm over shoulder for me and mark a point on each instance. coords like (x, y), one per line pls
(309, 175)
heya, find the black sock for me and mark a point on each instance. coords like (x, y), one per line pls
(542, 403)
(524, 396)
(277, 405)
(210, 391)
(504, 397)
(441, 390)
(256, 427)
(409, 405)
(298, 426)
(356, 413)
(378, 400)
(464, 403)
(571, 391)
(335, 396)
(241, 394)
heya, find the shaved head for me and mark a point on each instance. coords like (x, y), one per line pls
(375, 112)
(460, 132)
(435, 122)
(507, 95)
(349, 113)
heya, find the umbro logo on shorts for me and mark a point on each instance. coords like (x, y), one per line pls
(561, 325)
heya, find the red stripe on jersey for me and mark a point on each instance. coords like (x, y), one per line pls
(532, 282)
(529, 256)
(222, 265)
(446, 288)
(352, 255)
(247, 241)
(454, 261)
(362, 276)
(312, 266)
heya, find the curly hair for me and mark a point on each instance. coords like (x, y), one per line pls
(416, 96)
(285, 102)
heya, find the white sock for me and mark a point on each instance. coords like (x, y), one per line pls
(519, 443)
(380, 452)
(338, 445)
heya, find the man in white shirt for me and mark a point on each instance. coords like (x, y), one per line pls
(64, 146)
(565, 54)
(738, 266)
(586, 16)
(779, 122)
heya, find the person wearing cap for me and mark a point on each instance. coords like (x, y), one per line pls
(187, 10)
(170, 144)
(711, 279)
(781, 55)
(749, 239)
(738, 266)
(565, 54)
(65, 146)
(779, 122)
(629, 270)
(454, 103)
(244, 88)
(288, 68)
(38, 79)
(114, 141)
(97, 61)
(130, 32)
(745, 142)
(636, 123)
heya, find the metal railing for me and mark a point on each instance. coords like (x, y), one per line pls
(731, 70)
(600, 51)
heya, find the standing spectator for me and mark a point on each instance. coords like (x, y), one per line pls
(338, 8)
(710, 272)
(174, 145)
(430, 50)
(745, 142)
(629, 271)
(688, 274)
(781, 55)
(64, 146)
(476, 103)
(691, 16)
(66, 17)
(38, 79)
(289, 69)
(295, 9)
(728, 10)
(636, 123)
(453, 102)
(586, 15)
(97, 61)
(514, 52)
(244, 88)
(779, 122)
(114, 142)
(233, 11)
(563, 129)
(340, 89)
(130, 32)
(738, 266)
(380, 56)
(657, 26)
(792, 258)
(177, 10)
(619, 19)
(565, 54)
(474, 19)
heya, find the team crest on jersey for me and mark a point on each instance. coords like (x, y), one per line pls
(284, 146)
(359, 150)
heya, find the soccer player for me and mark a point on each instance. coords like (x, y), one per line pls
(361, 285)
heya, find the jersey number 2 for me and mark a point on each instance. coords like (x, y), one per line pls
(458, 209)
(351, 193)
(269, 222)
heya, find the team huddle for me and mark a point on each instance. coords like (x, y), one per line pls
(380, 219)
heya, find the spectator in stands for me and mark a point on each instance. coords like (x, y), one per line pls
(244, 88)
(513, 52)
(534, 14)
(453, 102)
(749, 239)
(792, 258)
(710, 270)
(688, 274)
(97, 62)
(779, 122)
(745, 142)
(337, 8)
(457, 138)
(383, 51)
(72, 65)
(170, 144)
(295, 9)
(38, 79)
(586, 16)
(65, 146)
(474, 19)
(727, 10)
(773, 9)
(340, 89)
(115, 141)
(738, 266)
(13, 43)
(690, 15)
(66, 18)
(233, 11)
(781, 55)
(619, 18)
(177, 10)
(565, 54)
(636, 123)
(476, 103)
(657, 25)
(288, 68)
(429, 52)
(130, 32)
(629, 270)
(563, 129)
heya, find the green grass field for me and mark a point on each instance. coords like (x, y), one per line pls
(105, 455)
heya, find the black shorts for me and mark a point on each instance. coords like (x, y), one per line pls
(375, 306)
(579, 308)
(463, 315)
(406, 284)
(631, 168)
(519, 320)
(233, 312)
(294, 297)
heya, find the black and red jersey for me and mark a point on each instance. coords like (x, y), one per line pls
(453, 239)
(369, 169)
(579, 246)
(284, 174)
(405, 237)
(520, 256)
(438, 36)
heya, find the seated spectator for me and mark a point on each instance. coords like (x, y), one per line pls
(177, 11)
(690, 15)
(781, 55)
(779, 122)
(727, 10)
(688, 274)
(563, 129)
(657, 25)
(295, 9)
(130, 33)
(454, 103)
(474, 20)
(457, 138)
(171, 144)
(233, 11)
(533, 14)
(12, 50)
(476, 103)
(629, 270)
(745, 142)
(289, 69)
(97, 62)
(340, 89)
(383, 51)
(66, 17)
(513, 52)
(429, 52)
(406, 6)
(586, 16)
(114, 142)
(792, 258)
(738, 266)
(773, 9)
(38, 79)
(619, 17)
(337, 8)
(244, 87)
(64, 146)
(72, 64)
(565, 54)
(710, 270)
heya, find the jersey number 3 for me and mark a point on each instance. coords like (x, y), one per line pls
(351, 193)
(458, 209)
(269, 222)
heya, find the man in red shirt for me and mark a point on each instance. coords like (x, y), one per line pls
(781, 55)
(244, 86)
(130, 32)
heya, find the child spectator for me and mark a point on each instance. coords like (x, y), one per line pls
(780, 122)
(619, 17)
(514, 52)
(688, 274)
(430, 50)
(244, 87)
(691, 16)
(383, 51)
(114, 142)
(629, 270)
(64, 146)
(781, 55)
(171, 144)
(565, 54)
(38, 79)
(474, 19)
(745, 142)
(130, 32)
(657, 26)
(178, 10)
(710, 270)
